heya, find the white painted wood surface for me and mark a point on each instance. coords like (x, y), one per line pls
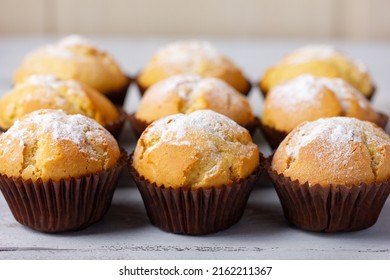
(262, 233)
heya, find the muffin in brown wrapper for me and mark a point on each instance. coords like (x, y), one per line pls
(65, 205)
(274, 137)
(118, 97)
(139, 125)
(194, 212)
(332, 208)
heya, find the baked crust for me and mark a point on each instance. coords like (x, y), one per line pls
(75, 58)
(191, 57)
(188, 93)
(335, 151)
(49, 144)
(197, 150)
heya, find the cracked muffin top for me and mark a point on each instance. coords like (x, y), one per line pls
(192, 57)
(307, 98)
(49, 92)
(197, 150)
(320, 61)
(188, 93)
(337, 151)
(49, 144)
(74, 57)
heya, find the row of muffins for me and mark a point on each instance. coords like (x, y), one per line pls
(195, 172)
(187, 90)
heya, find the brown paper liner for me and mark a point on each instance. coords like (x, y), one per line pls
(139, 125)
(273, 136)
(383, 120)
(194, 212)
(115, 127)
(71, 204)
(332, 208)
(142, 89)
(118, 96)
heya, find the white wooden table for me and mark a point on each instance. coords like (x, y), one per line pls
(262, 233)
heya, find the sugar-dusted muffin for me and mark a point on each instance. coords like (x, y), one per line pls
(191, 57)
(307, 98)
(58, 172)
(76, 58)
(195, 171)
(320, 61)
(333, 174)
(187, 93)
(48, 92)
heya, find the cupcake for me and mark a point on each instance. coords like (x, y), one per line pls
(58, 172)
(320, 61)
(187, 93)
(195, 172)
(76, 58)
(332, 174)
(307, 98)
(48, 92)
(191, 57)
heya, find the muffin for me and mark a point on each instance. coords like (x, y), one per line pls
(191, 57)
(187, 93)
(195, 172)
(58, 172)
(320, 61)
(76, 58)
(332, 174)
(49, 92)
(307, 98)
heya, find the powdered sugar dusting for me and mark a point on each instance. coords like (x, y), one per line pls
(205, 123)
(301, 90)
(52, 85)
(74, 40)
(63, 47)
(337, 134)
(305, 90)
(188, 55)
(60, 126)
(320, 52)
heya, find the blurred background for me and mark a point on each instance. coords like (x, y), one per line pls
(326, 19)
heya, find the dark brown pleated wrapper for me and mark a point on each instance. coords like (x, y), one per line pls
(118, 96)
(115, 127)
(333, 208)
(142, 89)
(383, 120)
(194, 212)
(139, 126)
(66, 205)
(274, 137)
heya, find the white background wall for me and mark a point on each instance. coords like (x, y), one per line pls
(362, 19)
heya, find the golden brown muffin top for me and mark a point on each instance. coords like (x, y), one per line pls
(74, 57)
(320, 61)
(50, 144)
(307, 98)
(337, 151)
(48, 92)
(197, 150)
(191, 57)
(187, 93)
